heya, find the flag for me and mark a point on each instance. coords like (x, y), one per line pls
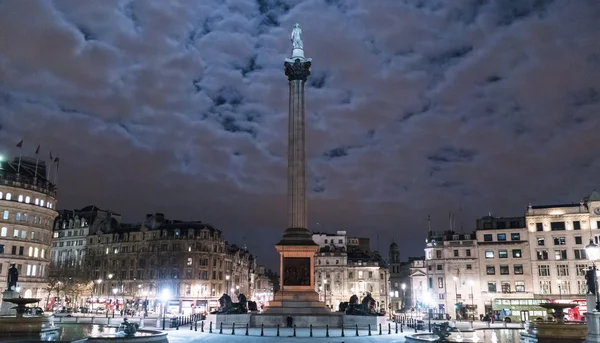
(37, 151)
(51, 156)
(57, 160)
(20, 144)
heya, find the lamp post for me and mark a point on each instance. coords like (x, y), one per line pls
(227, 281)
(455, 297)
(592, 251)
(472, 299)
(165, 298)
(325, 291)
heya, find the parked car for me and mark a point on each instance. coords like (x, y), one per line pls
(38, 311)
(63, 313)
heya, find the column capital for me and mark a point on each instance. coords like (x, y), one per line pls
(297, 69)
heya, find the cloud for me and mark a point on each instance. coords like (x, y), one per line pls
(413, 107)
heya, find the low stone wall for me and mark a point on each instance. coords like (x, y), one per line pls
(334, 320)
(364, 321)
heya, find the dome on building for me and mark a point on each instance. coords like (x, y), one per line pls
(595, 196)
(393, 246)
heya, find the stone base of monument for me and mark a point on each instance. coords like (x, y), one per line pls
(228, 320)
(593, 333)
(297, 302)
(364, 321)
(6, 308)
(333, 319)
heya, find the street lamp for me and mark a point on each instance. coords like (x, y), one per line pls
(455, 297)
(145, 293)
(325, 291)
(592, 251)
(403, 296)
(165, 298)
(472, 299)
(227, 280)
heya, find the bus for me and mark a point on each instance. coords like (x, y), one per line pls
(519, 310)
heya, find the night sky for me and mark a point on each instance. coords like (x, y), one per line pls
(414, 107)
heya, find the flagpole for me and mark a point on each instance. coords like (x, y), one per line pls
(19, 145)
(36, 161)
(19, 166)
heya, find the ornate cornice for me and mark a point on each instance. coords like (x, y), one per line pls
(298, 70)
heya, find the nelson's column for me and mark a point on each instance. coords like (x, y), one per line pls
(297, 249)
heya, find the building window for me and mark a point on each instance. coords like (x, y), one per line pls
(516, 253)
(557, 226)
(500, 225)
(27, 199)
(544, 270)
(581, 269)
(542, 255)
(455, 253)
(468, 252)
(519, 286)
(576, 225)
(578, 240)
(539, 227)
(546, 286)
(41, 202)
(562, 269)
(501, 236)
(469, 267)
(564, 287)
(505, 287)
(189, 261)
(487, 237)
(489, 254)
(559, 241)
(20, 198)
(15, 233)
(438, 254)
(440, 282)
(503, 253)
(581, 287)
(518, 269)
(560, 254)
(5, 215)
(8, 196)
(515, 236)
(439, 267)
(541, 241)
(504, 269)
(441, 296)
(580, 254)
(3, 231)
(492, 287)
(490, 270)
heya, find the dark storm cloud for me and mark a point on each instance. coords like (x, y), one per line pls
(413, 107)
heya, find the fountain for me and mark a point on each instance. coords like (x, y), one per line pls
(19, 325)
(557, 331)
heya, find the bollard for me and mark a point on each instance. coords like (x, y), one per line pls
(505, 324)
(177, 322)
(369, 329)
(195, 326)
(262, 329)
(246, 329)
(357, 329)
(310, 330)
(221, 328)
(202, 326)
(379, 329)
(389, 328)
(277, 329)
(233, 329)
(429, 326)
(294, 330)
(210, 327)
(327, 330)
(191, 326)
(416, 328)
(343, 335)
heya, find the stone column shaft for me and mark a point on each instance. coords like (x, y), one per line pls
(297, 204)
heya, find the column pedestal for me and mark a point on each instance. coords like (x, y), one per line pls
(593, 322)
